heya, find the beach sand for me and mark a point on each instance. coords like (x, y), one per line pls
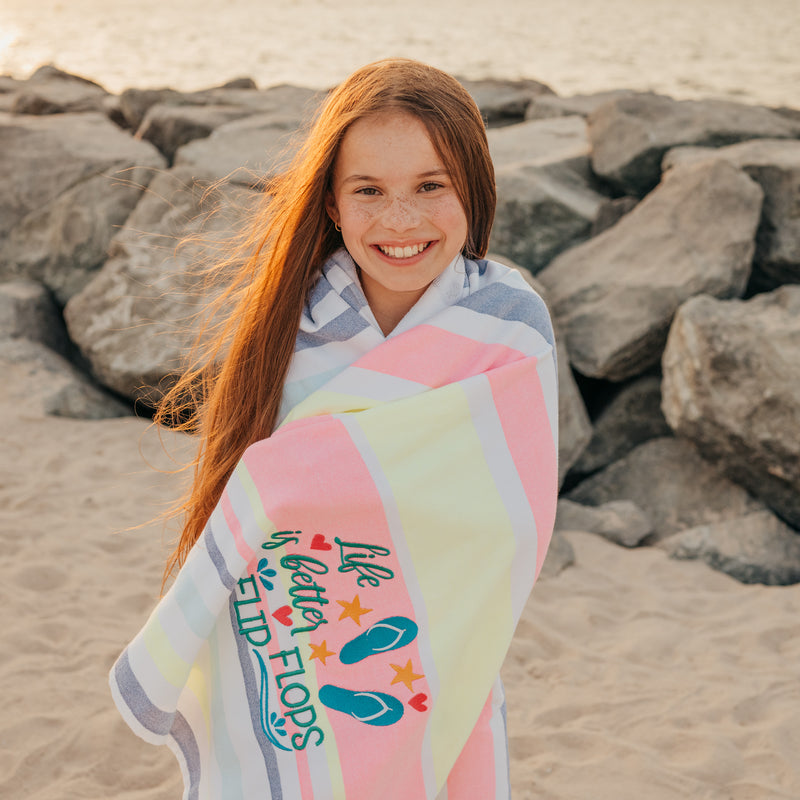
(631, 676)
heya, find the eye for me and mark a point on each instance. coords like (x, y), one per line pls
(430, 186)
(369, 191)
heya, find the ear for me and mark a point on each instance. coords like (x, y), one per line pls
(330, 207)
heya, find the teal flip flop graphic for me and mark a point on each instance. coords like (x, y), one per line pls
(371, 708)
(386, 634)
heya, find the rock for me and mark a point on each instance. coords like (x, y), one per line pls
(541, 211)
(615, 295)
(775, 165)
(732, 386)
(633, 416)
(70, 181)
(611, 211)
(674, 486)
(501, 102)
(51, 91)
(135, 320)
(563, 140)
(574, 428)
(547, 106)
(27, 311)
(754, 548)
(560, 555)
(43, 382)
(246, 151)
(134, 103)
(169, 127)
(619, 521)
(631, 134)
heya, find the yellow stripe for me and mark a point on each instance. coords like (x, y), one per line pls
(462, 544)
(323, 402)
(173, 668)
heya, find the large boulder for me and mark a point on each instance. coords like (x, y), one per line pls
(42, 382)
(27, 311)
(775, 165)
(631, 134)
(754, 548)
(135, 320)
(732, 386)
(503, 101)
(674, 486)
(52, 91)
(69, 181)
(615, 295)
(631, 417)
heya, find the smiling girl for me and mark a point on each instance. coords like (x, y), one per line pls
(375, 485)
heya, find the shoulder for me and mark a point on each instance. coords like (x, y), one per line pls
(502, 292)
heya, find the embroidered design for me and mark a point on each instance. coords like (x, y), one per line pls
(417, 702)
(265, 573)
(353, 610)
(371, 708)
(319, 543)
(284, 615)
(320, 651)
(270, 723)
(387, 634)
(405, 675)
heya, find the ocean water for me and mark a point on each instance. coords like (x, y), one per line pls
(747, 50)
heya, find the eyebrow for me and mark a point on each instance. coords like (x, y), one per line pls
(370, 179)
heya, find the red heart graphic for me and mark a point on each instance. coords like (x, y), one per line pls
(418, 702)
(319, 543)
(283, 615)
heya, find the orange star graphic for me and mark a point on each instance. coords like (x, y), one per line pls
(353, 610)
(320, 651)
(405, 675)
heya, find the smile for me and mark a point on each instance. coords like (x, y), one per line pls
(409, 251)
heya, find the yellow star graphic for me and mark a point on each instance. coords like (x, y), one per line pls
(405, 675)
(353, 610)
(320, 651)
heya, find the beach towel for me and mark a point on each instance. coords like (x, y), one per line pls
(338, 629)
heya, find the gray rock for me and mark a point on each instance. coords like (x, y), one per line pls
(775, 166)
(70, 181)
(611, 212)
(27, 311)
(755, 548)
(632, 416)
(41, 381)
(560, 555)
(563, 140)
(169, 127)
(630, 135)
(732, 386)
(619, 521)
(134, 103)
(245, 151)
(51, 91)
(501, 102)
(674, 486)
(574, 428)
(615, 295)
(135, 320)
(541, 211)
(550, 105)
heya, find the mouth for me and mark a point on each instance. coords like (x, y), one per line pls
(409, 251)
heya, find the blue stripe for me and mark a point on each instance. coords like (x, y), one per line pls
(148, 715)
(184, 738)
(216, 558)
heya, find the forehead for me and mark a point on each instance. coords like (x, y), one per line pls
(387, 141)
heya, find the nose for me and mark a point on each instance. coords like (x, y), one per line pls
(401, 214)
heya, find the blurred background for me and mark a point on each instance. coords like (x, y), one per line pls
(738, 49)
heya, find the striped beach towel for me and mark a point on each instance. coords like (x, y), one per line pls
(338, 629)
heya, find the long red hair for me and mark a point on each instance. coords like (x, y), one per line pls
(230, 393)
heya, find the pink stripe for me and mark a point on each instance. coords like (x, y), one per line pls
(244, 549)
(435, 357)
(473, 775)
(521, 407)
(319, 461)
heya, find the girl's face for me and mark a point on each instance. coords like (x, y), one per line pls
(400, 215)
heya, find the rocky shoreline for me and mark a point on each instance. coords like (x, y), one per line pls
(664, 234)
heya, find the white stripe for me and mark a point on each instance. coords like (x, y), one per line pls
(374, 385)
(546, 367)
(311, 361)
(502, 788)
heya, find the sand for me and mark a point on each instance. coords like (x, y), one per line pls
(631, 675)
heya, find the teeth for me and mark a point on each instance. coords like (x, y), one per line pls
(403, 252)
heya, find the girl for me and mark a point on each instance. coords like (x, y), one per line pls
(376, 483)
